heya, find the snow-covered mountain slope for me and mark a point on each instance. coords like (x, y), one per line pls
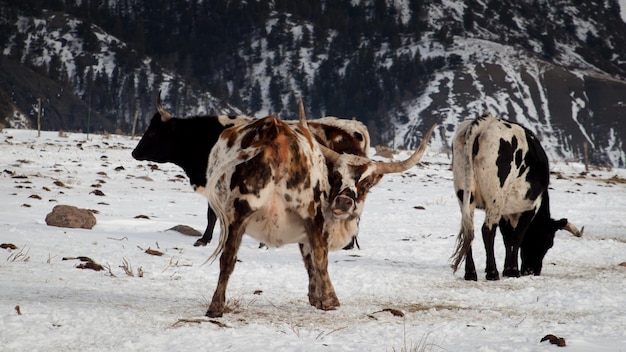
(79, 61)
(564, 108)
(559, 67)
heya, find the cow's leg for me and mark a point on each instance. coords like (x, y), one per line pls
(305, 250)
(321, 293)
(326, 292)
(489, 235)
(324, 296)
(510, 261)
(208, 232)
(470, 268)
(515, 240)
(227, 265)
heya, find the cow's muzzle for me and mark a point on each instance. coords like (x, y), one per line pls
(342, 206)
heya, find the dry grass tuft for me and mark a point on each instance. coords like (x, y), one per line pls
(19, 256)
(128, 268)
(421, 346)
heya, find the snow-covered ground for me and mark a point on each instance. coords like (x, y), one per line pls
(48, 304)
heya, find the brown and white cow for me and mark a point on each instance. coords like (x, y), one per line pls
(499, 166)
(188, 141)
(270, 179)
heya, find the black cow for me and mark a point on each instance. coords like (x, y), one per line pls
(499, 166)
(187, 143)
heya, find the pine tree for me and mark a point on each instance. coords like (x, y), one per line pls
(548, 45)
(468, 19)
(235, 98)
(275, 93)
(139, 40)
(305, 40)
(256, 98)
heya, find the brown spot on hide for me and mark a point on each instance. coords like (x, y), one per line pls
(251, 176)
(317, 193)
(230, 135)
(339, 139)
(262, 132)
(247, 139)
(243, 155)
(242, 208)
(298, 173)
(278, 153)
(311, 209)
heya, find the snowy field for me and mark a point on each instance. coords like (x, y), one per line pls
(407, 235)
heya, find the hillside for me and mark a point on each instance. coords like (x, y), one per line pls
(559, 67)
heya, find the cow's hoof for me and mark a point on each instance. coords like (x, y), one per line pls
(527, 272)
(492, 276)
(200, 243)
(330, 304)
(214, 314)
(471, 276)
(510, 273)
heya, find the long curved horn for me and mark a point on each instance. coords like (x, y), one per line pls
(399, 166)
(569, 227)
(329, 154)
(165, 115)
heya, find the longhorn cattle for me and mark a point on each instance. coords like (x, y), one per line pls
(187, 143)
(270, 179)
(499, 166)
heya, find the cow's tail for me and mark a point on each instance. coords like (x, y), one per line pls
(215, 193)
(466, 234)
(217, 204)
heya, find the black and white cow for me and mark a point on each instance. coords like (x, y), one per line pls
(187, 143)
(272, 180)
(499, 166)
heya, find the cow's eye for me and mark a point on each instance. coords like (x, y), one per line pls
(366, 185)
